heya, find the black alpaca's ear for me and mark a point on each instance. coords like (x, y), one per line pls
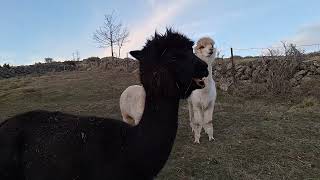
(136, 54)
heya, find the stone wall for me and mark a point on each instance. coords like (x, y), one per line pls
(104, 64)
(257, 71)
(37, 69)
(90, 64)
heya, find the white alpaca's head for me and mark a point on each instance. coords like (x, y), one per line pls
(205, 49)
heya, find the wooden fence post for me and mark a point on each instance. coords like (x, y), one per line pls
(233, 69)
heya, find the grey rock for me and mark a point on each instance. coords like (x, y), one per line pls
(293, 82)
(248, 71)
(306, 79)
(225, 83)
(301, 73)
(229, 66)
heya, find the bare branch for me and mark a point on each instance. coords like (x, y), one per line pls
(123, 36)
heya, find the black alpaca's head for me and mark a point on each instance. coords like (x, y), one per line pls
(168, 66)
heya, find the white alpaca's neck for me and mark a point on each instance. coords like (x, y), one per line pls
(210, 70)
(208, 80)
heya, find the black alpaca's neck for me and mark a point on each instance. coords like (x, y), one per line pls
(161, 111)
(156, 132)
(159, 120)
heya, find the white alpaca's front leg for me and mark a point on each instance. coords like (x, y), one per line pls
(191, 115)
(196, 123)
(207, 123)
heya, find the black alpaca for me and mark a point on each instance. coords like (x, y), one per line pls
(42, 145)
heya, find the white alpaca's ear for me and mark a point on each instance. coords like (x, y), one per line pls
(136, 54)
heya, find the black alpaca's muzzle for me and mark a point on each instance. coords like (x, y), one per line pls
(201, 69)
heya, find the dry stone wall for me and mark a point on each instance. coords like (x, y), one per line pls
(255, 70)
(90, 64)
(37, 69)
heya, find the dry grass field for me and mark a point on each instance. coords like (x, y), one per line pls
(256, 137)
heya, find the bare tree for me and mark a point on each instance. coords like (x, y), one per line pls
(111, 33)
(78, 56)
(123, 39)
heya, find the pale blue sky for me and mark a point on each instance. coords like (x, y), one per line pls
(31, 30)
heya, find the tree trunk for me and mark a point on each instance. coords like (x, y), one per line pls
(112, 50)
(111, 42)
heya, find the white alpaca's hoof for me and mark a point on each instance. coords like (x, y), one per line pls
(192, 128)
(197, 141)
(212, 139)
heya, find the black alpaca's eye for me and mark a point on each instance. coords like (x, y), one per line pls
(173, 58)
(201, 47)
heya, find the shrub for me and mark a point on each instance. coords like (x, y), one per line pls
(92, 59)
(5, 65)
(282, 67)
(48, 60)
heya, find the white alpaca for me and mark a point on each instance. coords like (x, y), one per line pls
(132, 104)
(201, 101)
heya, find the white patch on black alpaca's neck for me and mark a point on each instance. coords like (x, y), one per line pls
(185, 93)
(163, 51)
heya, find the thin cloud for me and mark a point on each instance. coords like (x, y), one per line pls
(151, 2)
(192, 26)
(162, 16)
(308, 34)
(7, 57)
